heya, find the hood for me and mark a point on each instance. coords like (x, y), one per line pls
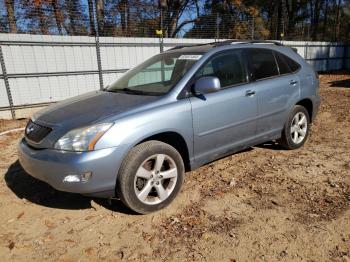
(89, 108)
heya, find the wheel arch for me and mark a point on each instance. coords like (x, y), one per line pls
(308, 104)
(175, 140)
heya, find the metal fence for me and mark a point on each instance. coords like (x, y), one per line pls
(53, 50)
(327, 20)
(40, 69)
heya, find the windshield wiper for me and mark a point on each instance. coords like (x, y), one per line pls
(129, 91)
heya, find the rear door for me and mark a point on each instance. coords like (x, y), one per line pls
(225, 119)
(276, 87)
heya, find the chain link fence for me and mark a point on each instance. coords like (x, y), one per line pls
(326, 20)
(50, 48)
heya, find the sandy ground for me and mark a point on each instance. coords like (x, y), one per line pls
(263, 204)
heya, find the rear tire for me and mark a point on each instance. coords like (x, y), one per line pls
(150, 177)
(296, 128)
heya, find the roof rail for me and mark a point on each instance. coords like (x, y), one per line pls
(265, 42)
(229, 42)
(189, 45)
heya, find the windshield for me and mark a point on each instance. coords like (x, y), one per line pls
(156, 76)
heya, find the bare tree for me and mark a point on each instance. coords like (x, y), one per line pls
(100, 15)
(58, 15)
(10, 7)
(91, 17)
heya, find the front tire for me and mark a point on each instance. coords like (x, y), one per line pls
(296, 128)
(150, 177)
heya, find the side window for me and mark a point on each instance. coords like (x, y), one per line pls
(228, 67)
(282, 64)
(262, 63)
(294, 66)
(286, 65)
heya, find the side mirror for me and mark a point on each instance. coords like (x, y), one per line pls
(205, 85)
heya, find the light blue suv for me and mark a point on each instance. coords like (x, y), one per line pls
(171, 114)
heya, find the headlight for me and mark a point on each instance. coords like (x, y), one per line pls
(82, 139)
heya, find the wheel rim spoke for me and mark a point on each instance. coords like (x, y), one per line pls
(302, 121)
(302, 132)
(145, 191)
(159, 162)
(162, 194)
(169, 173)
(295, 136)
(143, 173)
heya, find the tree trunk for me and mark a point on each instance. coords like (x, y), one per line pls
(128, 20)
(325, 22)
(316, 19)
(42, 21)
(270, 17)
(58, 16)
(337, 21)
(279, 20)
(72, 15)
(292, 12)
(122, 10)
(100, 9)
(91, 17)
(10, 7)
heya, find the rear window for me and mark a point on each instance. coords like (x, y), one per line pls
(286, 65)
(262, 63)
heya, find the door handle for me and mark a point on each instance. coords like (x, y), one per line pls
(293, 82)
(250, 93)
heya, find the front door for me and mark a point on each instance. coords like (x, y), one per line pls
(225, 119)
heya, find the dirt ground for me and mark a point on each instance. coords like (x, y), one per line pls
(263, 204)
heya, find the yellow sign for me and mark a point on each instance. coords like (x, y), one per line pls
(159, 32)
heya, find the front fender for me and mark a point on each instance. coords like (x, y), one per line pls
(131, 130)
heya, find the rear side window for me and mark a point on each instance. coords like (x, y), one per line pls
(262, 63)
(286, 65)
(228, 67)
(294, 66)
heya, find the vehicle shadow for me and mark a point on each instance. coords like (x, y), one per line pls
(27, 187)
(341, 83)
(272, 145)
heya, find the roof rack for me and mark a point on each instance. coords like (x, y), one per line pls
(229, 42)
(190, 45)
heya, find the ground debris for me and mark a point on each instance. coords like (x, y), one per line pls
(248, 206)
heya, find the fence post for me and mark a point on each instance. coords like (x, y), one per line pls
(217, 28)
(98, 51)
(328, 57)
(253, 27)
(306, 51)
(7, 84)
(161, 38)
(345, 57)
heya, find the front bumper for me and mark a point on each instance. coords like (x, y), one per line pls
(52, 166)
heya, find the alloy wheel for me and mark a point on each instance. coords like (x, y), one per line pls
(155, 179)
(298, 127)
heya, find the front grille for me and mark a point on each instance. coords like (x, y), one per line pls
(35, 132)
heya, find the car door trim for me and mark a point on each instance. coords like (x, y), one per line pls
(227, 126)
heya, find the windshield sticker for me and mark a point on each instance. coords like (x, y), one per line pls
(190, 57)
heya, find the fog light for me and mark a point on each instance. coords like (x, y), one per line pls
(80, 178)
